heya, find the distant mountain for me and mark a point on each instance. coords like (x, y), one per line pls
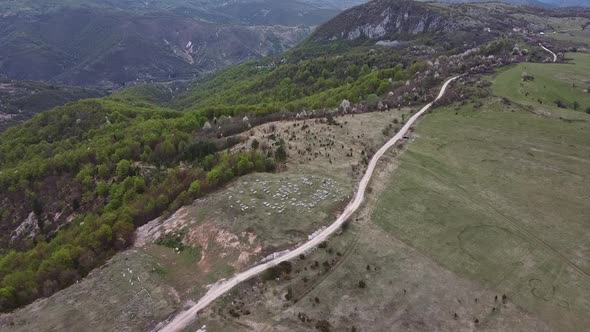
(111, 43)
(567, 3)
(257, 12)
(339, 4)
(90, 47)
(538, 3)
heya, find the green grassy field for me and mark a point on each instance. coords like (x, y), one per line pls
(501, 197)
(551, 82)
(576, 36)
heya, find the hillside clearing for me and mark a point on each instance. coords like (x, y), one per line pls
(542, 86)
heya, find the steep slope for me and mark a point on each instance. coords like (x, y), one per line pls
(449, 26)
(517, 2)
(405, 19)
(386, 18)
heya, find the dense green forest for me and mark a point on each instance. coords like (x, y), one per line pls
(293, 84)
(128, 158)
(131, 162)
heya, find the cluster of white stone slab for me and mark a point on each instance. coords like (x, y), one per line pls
(277, 195)
(129, 273)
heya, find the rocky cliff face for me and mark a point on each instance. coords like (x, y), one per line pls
(386, 20)
(383, 18)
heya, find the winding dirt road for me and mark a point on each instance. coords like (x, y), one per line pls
(183, 319)
(550, 51)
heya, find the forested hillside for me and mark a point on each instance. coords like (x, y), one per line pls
(81, 177)
(20, 100)
(78, 179)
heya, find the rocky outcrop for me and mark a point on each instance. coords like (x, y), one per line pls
(383, 18)
(401, 20)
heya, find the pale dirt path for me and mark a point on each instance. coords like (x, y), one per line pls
(183, 319)
(550, 51)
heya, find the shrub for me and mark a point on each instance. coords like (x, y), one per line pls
(195, 187)
(255, 144)
(123, 168)
(576, 105)
(172, 241)
(560, 104)
(281, 154)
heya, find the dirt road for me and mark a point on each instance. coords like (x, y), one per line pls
(550, 51)
(183, 319)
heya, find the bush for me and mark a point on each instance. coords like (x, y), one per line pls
(576, 105)
(195, 187)
(255, 144)
(373, 100)
(560, 104)
(323, 326)
(245, 166)
(123, 168)
(281, 154)
(172, 241)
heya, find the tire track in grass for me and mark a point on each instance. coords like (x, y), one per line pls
(479, 201)
(349, 251)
